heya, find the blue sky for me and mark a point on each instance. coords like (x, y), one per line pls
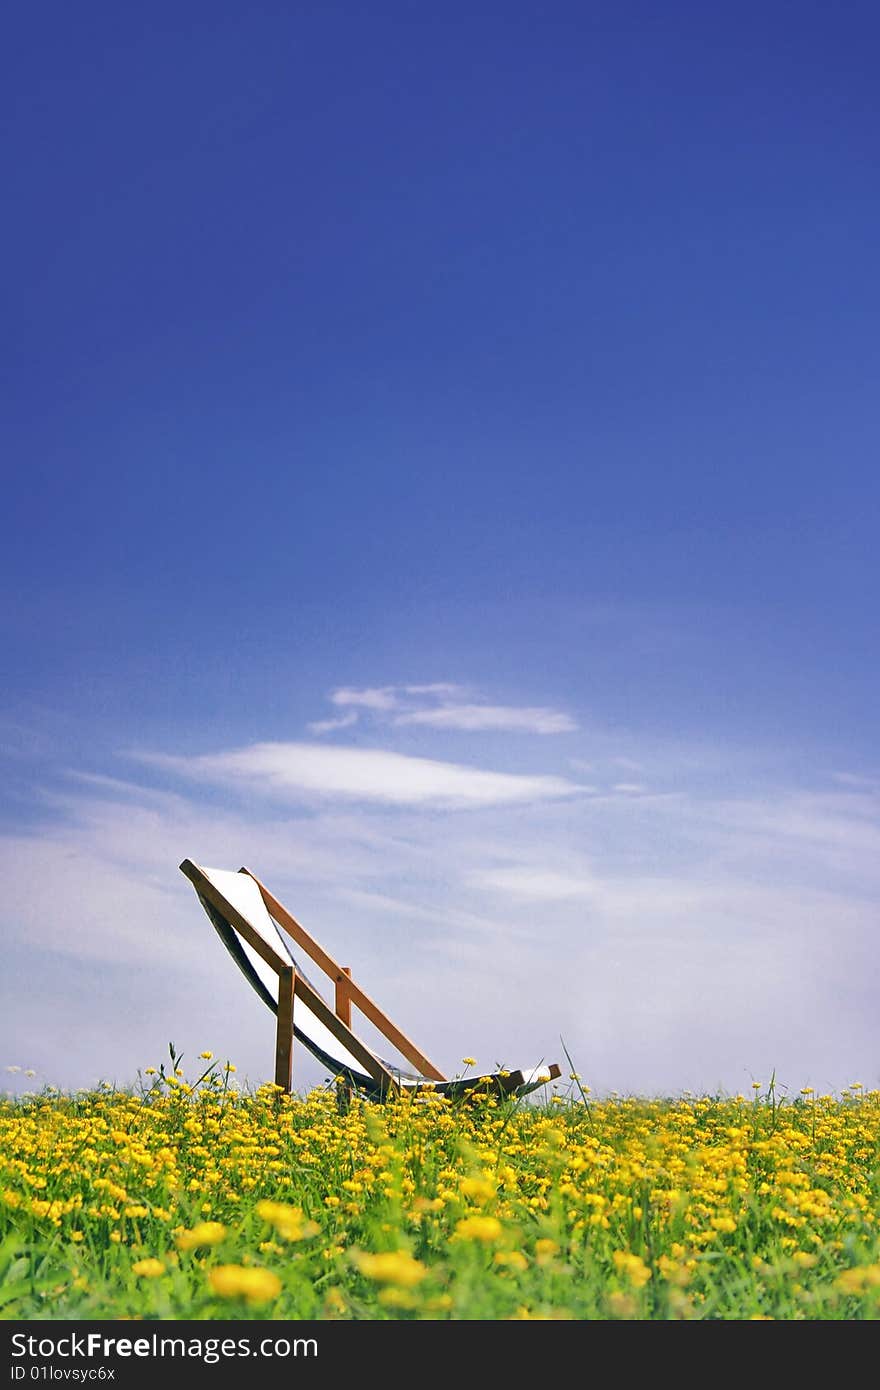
(440, 472)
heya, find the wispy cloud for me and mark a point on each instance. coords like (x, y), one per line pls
(442, 689)
(536, 883)
(484, 718)
(375, 697)
(329, 726)
(443, 705)
(856, 779)
(731, 902)
(291, 770)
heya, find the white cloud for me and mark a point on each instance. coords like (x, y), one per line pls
(629, 788)
(839, 831)
(378, 697)
(856, 779)
(536, 883)
(328, 726)
(482, 718)
(736, 914)
(290, 770)
(442, 689)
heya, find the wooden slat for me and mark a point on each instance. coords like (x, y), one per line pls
(343, 1034)
(368, 1007)
(343, 998)
(284, 1030)
(203, 885)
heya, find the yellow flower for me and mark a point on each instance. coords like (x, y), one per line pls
(253, 1285)
(334, 1304)
(675, 1273)
(622, 1305)
(207, 1056)
(480, 1189)
(545, 1250)
(287, 1221)
(148, 1269)
(469, 1061)
(391, 1267)
(859, 1279)
(804, 1259)
(439, 1303)
(203, 1233)
(486, 1228)
(395, 1297)
(632, 1267)
(511, 1259)
(723, 1223)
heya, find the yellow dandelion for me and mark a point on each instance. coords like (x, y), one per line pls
(334, 1304)
(484, 1228)
(254, 1285)
(622, 1305)
(853, 1281)
(203, 1233)
(441, 1302)
(511, 1259)
(392, 1296)
(148, 1269)
(723, 1223)
(545, 1250)
(632, 1267)
(288, 1221)
(391, 1267)
(479, 1189)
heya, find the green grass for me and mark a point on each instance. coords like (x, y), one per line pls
(188, 1200)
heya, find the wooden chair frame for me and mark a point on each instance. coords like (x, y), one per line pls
(347, 992)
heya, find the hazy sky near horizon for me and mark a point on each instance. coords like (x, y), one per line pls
(441, 473)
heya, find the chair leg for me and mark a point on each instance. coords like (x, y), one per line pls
(343, 1011)
(284, 1031)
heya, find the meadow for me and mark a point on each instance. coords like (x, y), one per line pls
(186, 1198)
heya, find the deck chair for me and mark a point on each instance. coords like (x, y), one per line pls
(250, 922)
